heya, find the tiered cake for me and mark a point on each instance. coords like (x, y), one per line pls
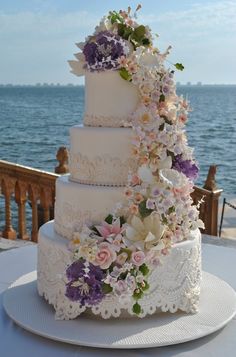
(125, 237)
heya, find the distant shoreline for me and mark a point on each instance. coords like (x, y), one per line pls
(70, 85)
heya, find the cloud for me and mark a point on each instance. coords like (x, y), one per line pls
(36, 46)
(45, 24)
(203, 37)
(200, 17)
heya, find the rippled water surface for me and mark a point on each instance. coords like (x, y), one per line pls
(35, 121)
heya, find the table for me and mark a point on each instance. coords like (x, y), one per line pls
(15, 341)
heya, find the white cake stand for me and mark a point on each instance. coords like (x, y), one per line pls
(217, 307)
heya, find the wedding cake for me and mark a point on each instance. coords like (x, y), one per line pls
(125, 239)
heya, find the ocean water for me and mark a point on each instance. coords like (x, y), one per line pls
(35, 121)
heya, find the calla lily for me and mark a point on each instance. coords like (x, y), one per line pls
(172, 178)
(146, 234)
(165, 163)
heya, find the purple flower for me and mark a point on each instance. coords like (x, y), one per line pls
(85, 283)
(103, 51)
(187, 167)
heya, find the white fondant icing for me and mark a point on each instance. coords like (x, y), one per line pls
(77, 204)
(101, 156)
(175, 285)
(109, 99)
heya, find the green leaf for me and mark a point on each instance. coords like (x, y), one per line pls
(106, 288)
(179, 66)
(127, 251)
(146, 287)
(162, 98)
(123, 275)
(166, 120)
(109, 219)
(139, 33)
(95, 231)
(114, 16)
(125, 74)
(171, 154)
(143, 210)
(161, 127)
(136, 308)
(122, 220)
(144, 269)
(146, 42)
(121, 29)
(164, 219)
(171, 210)
(127, 32)
(138, 293)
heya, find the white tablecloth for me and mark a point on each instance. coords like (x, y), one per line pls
(15, 341)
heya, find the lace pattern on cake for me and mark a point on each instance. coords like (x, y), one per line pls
(103, 170)
(102, 120)
(51, 261)
(173, 286)
(69, 218)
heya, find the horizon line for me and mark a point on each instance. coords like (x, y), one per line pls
(44, 84)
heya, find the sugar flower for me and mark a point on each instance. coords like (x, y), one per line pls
(145, 174)
(138, 258)
(172, 178)
(146, 234)
(84, 283)
(107, 230)
(105, 256)
(187, 167)
(103, 51)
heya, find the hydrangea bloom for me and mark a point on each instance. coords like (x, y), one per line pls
(85, 283)
(104, 51)
(187, 167)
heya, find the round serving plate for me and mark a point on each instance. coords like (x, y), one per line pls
(217, 307)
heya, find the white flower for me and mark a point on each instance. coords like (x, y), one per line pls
(77, 67)
(164, 164)
(103, 25)
(146, 234)
(173, 178)
(150, 59)
(145, 174)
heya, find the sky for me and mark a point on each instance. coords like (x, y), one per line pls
(37, 37)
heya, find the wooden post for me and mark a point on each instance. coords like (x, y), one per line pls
(46, 202)
(7, 190)
(21, 199)
(62, 157)
(211, 213)
(34, 196)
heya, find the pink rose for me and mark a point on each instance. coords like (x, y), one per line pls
(105, 256)
(138, 258)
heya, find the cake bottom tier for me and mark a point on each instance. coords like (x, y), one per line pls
(174, 285)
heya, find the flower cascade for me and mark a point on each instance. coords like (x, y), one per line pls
(116, 256)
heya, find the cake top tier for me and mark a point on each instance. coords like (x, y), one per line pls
(117, 59)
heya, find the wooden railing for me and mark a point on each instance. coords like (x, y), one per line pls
(36, 187)
(25, 184)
